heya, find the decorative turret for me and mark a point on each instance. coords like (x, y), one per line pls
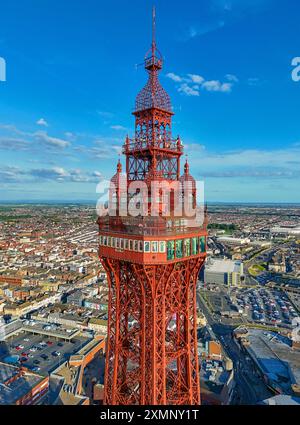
(117, 178)
(186, 176)
(119, 167)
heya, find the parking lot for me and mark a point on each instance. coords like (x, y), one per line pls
(39, 353)
(265, 306)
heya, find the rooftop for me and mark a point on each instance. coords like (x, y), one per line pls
(276, 357)
(282, 400)
(217, 265)
(11, 392)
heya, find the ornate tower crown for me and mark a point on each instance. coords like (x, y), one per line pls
(153, 95)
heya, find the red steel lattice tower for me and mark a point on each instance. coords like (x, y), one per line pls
(152, 265)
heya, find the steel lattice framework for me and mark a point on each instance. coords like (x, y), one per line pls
(152, 266)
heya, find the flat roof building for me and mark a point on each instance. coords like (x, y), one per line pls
(234, 241)
(286, 230)
(275, 358)
(282, 400)
(21, 387)
(223, 272)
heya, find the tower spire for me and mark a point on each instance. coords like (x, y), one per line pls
(153, 30)
(153, 94)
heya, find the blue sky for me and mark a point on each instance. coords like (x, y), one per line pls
(72, 79)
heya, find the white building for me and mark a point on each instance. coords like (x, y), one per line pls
(234, 241)
(223, 272)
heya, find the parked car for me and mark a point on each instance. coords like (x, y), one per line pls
(36, 369)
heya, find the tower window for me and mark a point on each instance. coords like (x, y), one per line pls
(187, 247)
(170, 250)
(154, 246)
(202, 244)
(179, 248)
(162, 246)
(194, 246)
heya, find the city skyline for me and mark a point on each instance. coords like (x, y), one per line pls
(66, 115)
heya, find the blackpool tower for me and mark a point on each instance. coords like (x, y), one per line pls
(152, 256)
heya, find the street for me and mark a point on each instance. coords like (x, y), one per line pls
(247, 390)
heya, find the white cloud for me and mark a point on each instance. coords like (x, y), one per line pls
(71, 136)
(174, 77)
(42, 137)
(231, 77)
(105, 114)
(59, 174)
(42, 122)
(276, 163)
(10, 175)
(217, 86)
(253, 81)
(196, 78)
(192, 32)
(189, 91)
(104, 150)
(192, 84)
(14, 144)
(118, 127)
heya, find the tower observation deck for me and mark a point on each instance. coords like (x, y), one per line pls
(152, 246)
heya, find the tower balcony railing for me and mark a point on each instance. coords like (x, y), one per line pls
(161, 227)
(153, 61)
(157, 142)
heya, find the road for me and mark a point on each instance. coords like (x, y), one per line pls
(245, 390)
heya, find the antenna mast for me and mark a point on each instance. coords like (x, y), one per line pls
(153, 31)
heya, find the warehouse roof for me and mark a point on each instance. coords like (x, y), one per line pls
(217, 265)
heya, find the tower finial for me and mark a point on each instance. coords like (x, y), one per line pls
(119, 166)
(186, 166)
(153, 30)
